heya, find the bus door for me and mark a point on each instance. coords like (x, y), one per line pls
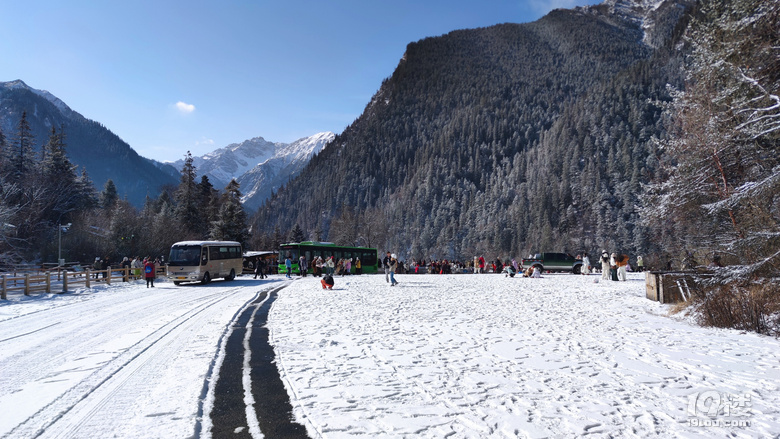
(216, 261)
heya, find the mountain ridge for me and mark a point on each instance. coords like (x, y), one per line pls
(260, 166)
(454, 150)
(89, 144)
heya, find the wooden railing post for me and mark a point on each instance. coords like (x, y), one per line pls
(5, 287)
(89, 275)
(65, 282)
(48, 283)
(108, 275)
(26, 284)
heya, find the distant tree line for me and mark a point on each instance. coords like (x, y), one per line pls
(42, 191)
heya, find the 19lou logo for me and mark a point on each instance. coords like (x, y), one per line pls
(715, 409)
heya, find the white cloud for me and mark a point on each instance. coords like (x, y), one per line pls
(185, 108)
(204, 141)
(545, 6)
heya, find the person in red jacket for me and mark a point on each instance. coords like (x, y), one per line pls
(149, 272)
(327, 282)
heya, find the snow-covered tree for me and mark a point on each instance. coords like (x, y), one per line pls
(720, 185)
(231, 223)
(187, 197)
(109, 195)
(20, 159)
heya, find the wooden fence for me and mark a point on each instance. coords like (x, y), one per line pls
(42, 282)
(673, 286)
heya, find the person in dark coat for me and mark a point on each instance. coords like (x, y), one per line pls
(104, 266)
(260, 268)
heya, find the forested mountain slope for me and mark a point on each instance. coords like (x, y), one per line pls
(89, 144)
(505, 139)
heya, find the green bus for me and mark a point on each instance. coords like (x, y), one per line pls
(311, 249)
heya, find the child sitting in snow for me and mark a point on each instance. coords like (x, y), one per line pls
(509, 271)
(327, 282)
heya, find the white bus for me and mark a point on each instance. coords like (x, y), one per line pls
(202, 261)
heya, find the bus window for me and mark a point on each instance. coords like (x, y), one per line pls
(184, 255)
(205, 256)
(292, 254)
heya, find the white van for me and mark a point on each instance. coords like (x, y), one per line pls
(202, 261)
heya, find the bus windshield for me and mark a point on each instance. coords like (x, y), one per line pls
(184, 255)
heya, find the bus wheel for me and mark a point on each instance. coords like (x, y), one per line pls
(232, 275)
(206, 278)
(176, 283)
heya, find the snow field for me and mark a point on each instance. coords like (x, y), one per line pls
(120, 359)
(491, 356)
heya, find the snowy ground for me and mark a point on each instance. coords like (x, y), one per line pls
(115, 361)
(460, 355)
(491, 356)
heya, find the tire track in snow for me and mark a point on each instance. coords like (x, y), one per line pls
(60, 343)
(127, 372)
(250, 400)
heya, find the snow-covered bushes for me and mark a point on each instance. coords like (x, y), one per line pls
(754, 307)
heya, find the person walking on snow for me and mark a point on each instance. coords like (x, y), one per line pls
(329, 266)
(386, 265)
(393, 267)
(149, 272)
(288, 266)
(622, 262)
(604, 265)
(613, 267)
(585, 264)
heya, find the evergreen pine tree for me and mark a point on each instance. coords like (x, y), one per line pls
(278, 238)
(209, 197)
(3, 150)
(187, 198)
(296, 234)
(20, 161)
(59, 179)
(231, 223)
(109, 196)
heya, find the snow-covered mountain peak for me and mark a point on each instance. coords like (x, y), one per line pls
(305, 147)
(265, 178)
(656, 18)
(19, 84)
(259, 165)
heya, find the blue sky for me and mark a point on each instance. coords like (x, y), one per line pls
(173, 76)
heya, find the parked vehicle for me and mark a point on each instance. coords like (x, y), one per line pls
(310, 249)
(202, 261)
(560, 262)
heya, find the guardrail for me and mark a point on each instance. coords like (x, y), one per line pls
(42, 283)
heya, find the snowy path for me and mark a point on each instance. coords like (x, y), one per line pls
(490, 356)
(131, 361)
